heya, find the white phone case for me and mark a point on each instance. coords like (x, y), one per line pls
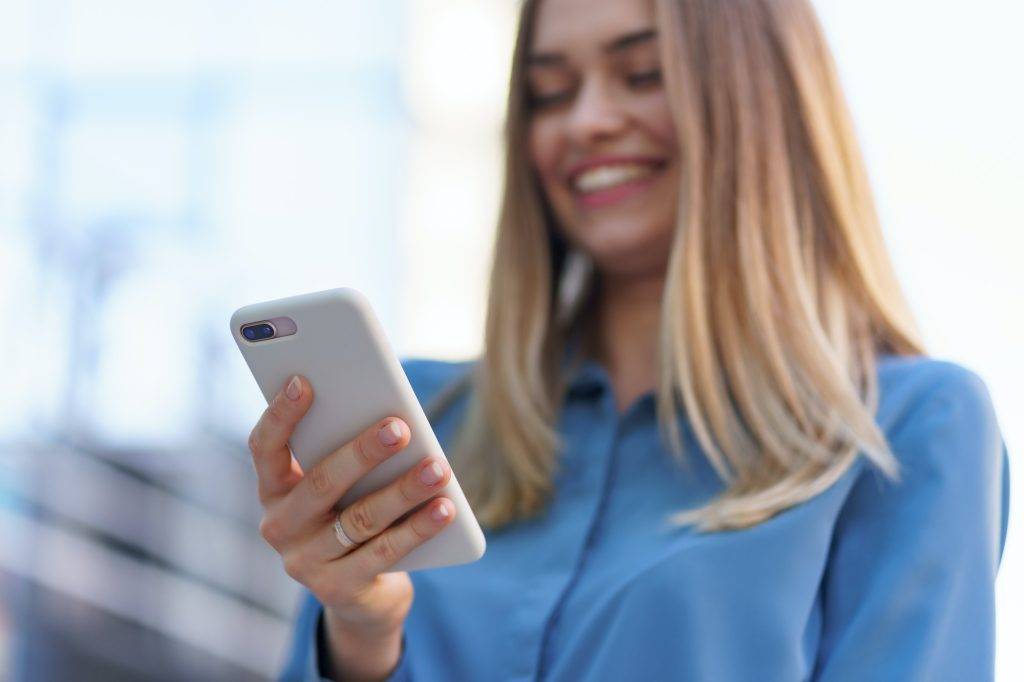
(340, 347)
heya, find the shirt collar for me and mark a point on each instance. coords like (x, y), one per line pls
(581, 375)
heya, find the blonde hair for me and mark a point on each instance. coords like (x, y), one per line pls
(779, 292)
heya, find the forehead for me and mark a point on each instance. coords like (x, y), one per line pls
(583, 26)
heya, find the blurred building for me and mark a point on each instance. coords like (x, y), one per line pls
(163, 164)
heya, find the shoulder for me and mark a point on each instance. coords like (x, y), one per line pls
(915, 558)
(919, 393)
(941, 426)
(428, 376)
(953, 466)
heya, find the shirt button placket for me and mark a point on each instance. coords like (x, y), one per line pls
(608, 428)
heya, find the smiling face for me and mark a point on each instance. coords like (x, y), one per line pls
(601, 136)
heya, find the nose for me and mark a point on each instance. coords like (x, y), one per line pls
(596, 114)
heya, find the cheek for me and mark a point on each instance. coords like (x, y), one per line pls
(659, 117)
(544, 151)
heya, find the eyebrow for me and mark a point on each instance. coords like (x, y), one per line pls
(619, 44)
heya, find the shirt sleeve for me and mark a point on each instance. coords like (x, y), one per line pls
(307, 657)
(909, 590)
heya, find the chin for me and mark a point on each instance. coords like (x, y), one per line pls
(629, 258)
(621, 249)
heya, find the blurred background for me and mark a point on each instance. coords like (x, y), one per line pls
(163, 163)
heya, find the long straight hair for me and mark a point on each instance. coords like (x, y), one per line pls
(779, 293)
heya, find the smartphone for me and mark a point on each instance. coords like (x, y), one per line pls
(334, 339)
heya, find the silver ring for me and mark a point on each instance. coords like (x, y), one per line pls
(342, 536)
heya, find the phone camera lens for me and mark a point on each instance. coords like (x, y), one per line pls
(258, 332)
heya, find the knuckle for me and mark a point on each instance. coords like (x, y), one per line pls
(385, 550)
(410, 489)
(272, 530)
(362, 518)
(294, 565)
(320, 478)
(254, 442)
(420, 529)
(362, 456)
(277, 413)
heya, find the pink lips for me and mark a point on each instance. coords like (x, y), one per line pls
(617, 193)
(604, 197)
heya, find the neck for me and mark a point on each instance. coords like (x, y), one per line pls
(627, 321)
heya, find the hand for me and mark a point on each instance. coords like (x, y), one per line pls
(362, 599)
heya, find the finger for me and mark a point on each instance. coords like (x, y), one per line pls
(369, 516)
(339, 580)
(381, 553)
(374, 513)
(275, 467)
(310, 503)
(305, 558)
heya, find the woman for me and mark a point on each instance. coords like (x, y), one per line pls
(703, 438)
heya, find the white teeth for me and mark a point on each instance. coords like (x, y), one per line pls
(604, 177)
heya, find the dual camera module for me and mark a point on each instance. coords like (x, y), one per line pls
(264, 330)
(258, 332)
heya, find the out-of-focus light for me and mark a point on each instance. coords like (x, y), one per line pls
(456, 61)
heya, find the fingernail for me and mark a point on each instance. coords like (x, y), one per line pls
(431, 474)
(294, 389)
(440, 513)
(390, 433)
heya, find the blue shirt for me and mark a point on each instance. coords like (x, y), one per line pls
(867, 580)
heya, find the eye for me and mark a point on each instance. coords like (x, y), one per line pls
(645, 78)
(544, 101)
